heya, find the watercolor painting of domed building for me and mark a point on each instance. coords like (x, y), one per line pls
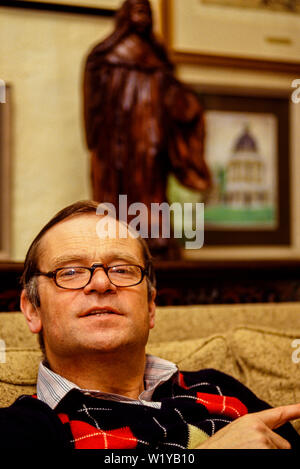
(241, 150)
(242, 154)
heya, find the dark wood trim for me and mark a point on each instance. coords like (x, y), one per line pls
(202, 268)
(166, 265)
(196, 282)
(57, 7)
(273, 265)
(227, 282)
(286, 263)
(10, 266)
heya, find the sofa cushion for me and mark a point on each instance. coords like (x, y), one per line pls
(194, 354)
(20, 366)
(18, 374)
(15, 332)
(264, 358)
(192, 322)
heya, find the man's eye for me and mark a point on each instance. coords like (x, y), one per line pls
(120, 270)
(123, 270)
(71, 273)
(68, 273)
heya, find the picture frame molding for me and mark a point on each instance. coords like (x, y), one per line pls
(218, 60)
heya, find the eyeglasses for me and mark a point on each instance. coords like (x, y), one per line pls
(75, 278)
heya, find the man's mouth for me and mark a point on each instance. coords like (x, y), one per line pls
(100, 312)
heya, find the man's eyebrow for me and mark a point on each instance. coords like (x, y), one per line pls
(66, 258)
(83, 259)
(122, 257)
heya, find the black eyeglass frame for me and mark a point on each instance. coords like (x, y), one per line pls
(52, 274)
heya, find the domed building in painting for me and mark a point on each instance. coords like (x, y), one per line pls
(245, 174)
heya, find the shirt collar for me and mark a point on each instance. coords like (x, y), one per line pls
(52, 388)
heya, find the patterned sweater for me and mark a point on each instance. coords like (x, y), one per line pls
(192, 406)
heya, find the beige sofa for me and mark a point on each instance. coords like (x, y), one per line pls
(252, 342)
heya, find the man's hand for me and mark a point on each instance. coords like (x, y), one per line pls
(255, 431)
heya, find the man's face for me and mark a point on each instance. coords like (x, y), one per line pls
(99, 317)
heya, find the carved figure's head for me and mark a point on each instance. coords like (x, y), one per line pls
(137, 14)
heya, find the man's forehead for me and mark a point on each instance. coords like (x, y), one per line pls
(79, 235)
(83, 224)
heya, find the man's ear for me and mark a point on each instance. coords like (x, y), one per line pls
(152, 307)
(31, 313)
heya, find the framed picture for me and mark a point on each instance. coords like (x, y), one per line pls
(67, 5)
(292, 6)
(259, 33)
(5, 164)
(110, 4)
(247, 150)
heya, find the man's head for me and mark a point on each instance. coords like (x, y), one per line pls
(99, 316)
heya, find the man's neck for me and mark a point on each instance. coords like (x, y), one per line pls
(109, 373)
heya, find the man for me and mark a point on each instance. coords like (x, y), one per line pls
(92, 300)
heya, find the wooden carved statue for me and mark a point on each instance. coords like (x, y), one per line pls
(141, 123)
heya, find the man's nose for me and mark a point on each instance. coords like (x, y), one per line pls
(99, 282)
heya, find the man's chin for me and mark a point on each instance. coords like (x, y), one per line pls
(102, 343)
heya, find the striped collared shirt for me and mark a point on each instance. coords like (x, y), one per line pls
(52, 388)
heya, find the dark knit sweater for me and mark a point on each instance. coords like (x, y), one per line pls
(193, 404)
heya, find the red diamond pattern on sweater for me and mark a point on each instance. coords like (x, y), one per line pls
(86, 436)
(225, 405)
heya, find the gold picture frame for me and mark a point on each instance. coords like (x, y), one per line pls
(216, 35)
(250, 207)
(105, 4)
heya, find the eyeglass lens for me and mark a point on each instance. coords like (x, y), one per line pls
(78, 277)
